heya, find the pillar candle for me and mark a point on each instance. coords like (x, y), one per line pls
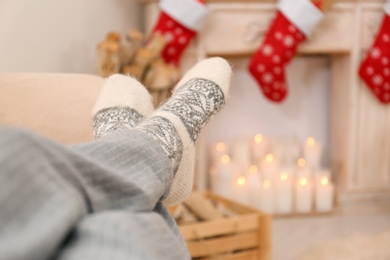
(224, 177)
(241, 154)
(254, 186)
(269, 166)
(293, 151)
(324, 194)
(284, 193)
(217, 151)
(303, 170)
(303, 195)
(241, 191)
(320, 173)
(267, 196)
(260, 147)
(312, 151)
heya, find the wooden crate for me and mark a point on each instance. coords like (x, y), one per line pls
(242, 237)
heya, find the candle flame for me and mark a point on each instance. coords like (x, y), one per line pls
(324, 181)
(284, 176)
(266, 184)
(303, 182)
(225, 159)
(258, 138)
(220, 147)
(269, 158)
(241, 180)
(253, 169)
(301, 162)
(310, 141)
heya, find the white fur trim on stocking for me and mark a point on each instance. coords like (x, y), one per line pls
(387, 7)
(189, 13)
(302, 13)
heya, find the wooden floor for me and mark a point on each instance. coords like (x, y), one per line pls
(294, 236)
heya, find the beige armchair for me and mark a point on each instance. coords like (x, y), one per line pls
(57, 106)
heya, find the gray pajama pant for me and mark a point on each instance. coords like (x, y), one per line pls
(99, 200)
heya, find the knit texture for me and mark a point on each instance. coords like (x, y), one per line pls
(122, 104)
(177, 124)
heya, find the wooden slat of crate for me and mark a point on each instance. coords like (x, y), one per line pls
(247, 255)
(238, 208)
(264, 232)
(248, 220)
(225, 244)
(220, 227)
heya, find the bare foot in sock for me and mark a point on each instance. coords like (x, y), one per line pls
(122, 104)
(200, 94)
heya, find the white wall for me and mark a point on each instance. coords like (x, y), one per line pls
(60, 36)
(305, 112)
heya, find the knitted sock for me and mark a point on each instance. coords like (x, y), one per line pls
(176, 125)
(122, 104)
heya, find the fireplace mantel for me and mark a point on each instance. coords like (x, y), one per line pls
(359, 124)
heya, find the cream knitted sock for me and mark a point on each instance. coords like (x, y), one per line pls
(122, 104)
(176, 125)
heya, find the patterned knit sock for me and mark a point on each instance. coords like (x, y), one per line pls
(176, 125)
(122, 104)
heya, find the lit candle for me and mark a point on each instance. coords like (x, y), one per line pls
(241, 193)
(312, 151)
(292, 151)
(218, 150)
(254, 185)
(324, 194)
(301, 162)
(320, 173)
(269, 166)
(284, 193)
(303, 170)
(223, 180)
(241, 154)
(267, 196)
(303, 195)
(260, 147)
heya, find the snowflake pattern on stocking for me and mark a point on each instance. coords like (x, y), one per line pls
(269, 62)
(177, 24)
(375, 68)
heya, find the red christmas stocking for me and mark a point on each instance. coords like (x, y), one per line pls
(179, 22)
(375, 68)
(294, 21)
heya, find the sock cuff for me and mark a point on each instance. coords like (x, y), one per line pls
(387, 7)
(124, 91)
(189, 13)
(302, 13)
(215, 69)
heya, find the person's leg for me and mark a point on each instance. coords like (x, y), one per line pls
(200, 94)
(123, 235)
(37, 205)
(46, 188)
(176, 125)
